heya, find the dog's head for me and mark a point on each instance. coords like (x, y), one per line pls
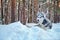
(44, 21)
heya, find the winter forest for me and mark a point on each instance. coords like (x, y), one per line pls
(29, 19)
(15, 10)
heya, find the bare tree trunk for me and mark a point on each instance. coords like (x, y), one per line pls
(19, 11)
(0, 9)
(6, 12)
(30, 11)
(23, 13)
(9, 11)
(35, 9)
(55, 13)
(13, 5)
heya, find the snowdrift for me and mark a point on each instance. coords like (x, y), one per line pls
(18, 31)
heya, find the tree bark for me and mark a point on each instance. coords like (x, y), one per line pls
(13, 6)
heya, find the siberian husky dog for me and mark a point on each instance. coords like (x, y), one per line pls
(43, 21)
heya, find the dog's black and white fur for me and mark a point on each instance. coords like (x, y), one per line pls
(43, 21)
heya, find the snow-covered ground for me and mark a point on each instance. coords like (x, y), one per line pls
(17, 31)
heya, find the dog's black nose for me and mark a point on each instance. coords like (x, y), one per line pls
(37, 21)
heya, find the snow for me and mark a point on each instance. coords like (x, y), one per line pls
(18, 31)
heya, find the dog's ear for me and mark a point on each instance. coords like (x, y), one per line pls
(47, 12)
